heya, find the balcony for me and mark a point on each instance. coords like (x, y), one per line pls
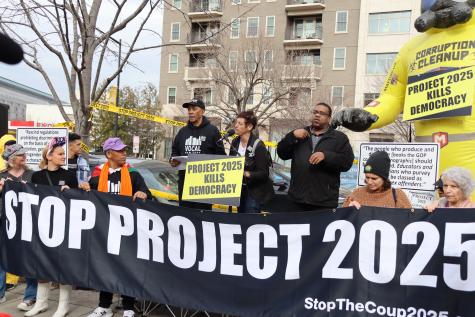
(204, 11)
(197, 74)
(201, 43)
(302, 72)
(304, 7)
(303, 40)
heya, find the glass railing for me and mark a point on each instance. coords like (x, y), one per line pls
(205, 6)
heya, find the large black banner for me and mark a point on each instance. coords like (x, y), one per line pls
(372, 262)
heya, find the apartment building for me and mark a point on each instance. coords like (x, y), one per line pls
(385, 26)
(320, 36)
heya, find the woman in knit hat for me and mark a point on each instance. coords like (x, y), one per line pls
(378, 191)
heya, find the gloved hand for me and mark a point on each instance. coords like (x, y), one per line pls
(355, 119)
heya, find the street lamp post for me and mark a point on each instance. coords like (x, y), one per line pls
(116, 119)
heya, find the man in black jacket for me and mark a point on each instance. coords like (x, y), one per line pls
(199, 136)
(319, 154)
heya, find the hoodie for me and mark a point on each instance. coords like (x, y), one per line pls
(203, 139)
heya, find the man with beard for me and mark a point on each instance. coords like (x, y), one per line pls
(440, 64)
(319, 154)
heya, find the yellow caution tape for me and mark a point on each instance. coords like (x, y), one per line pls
(136, 114)
(68, 124)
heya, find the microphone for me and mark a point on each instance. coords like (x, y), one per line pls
(228, 133)
(11, 52)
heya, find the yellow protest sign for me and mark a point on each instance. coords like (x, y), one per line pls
(214, 180)
(446, 93)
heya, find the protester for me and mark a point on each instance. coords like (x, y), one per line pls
(17, 170)
(116, 177)
(5, 141)
(319, 154)
(458, 187)
(257, 187)
(199, 136)
(378, 191)
(52, 174)
(76, 162)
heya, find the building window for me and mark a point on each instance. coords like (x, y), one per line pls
(236, 2)
(250, 97)
(175, 32)
(231, 98)
(173, 63)
(252, 27)
(253, 1)
(308, 28)
(341, 25)
(339, 58)
(233, 60)
(235, 26)
(390, 22)
(266, 93)
(379, 64)
(251, 61)
(203, 94)
(268, 58)
(171, 96)
(337, 96)
(177, 4)
(369, 97)
(305, 57)
(270, 26)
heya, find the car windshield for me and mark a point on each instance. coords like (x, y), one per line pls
(159, 179)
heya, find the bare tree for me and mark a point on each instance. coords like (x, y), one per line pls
(69, 31)
(250, 77)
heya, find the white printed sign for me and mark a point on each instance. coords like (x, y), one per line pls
(420, 198)
(34, 140)
(414, 166)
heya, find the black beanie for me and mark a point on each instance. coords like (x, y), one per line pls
(378, 163)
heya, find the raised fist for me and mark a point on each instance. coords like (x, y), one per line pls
(355, 119)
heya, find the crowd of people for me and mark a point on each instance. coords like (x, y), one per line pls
(318, 154)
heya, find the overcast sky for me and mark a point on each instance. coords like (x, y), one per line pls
(147, 62)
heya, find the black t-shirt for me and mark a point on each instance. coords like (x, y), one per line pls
(60, 177)
(73, 164)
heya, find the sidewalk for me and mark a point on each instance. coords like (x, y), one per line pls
(82, 304)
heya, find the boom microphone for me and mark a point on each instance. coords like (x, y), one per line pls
(228, 133)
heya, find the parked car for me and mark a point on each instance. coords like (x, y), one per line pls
(281, 179)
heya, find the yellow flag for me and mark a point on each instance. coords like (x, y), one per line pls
(112, 95)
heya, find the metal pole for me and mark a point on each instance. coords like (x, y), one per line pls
(116, 119)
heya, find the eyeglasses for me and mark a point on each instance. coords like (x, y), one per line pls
(321, 113)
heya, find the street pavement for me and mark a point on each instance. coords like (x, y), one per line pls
(84, 302)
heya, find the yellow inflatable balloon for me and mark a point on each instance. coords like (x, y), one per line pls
(432, 81)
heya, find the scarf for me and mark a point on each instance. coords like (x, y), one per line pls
(125, 181)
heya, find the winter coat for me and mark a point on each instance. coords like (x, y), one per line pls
(259, 185)
(319, 184)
